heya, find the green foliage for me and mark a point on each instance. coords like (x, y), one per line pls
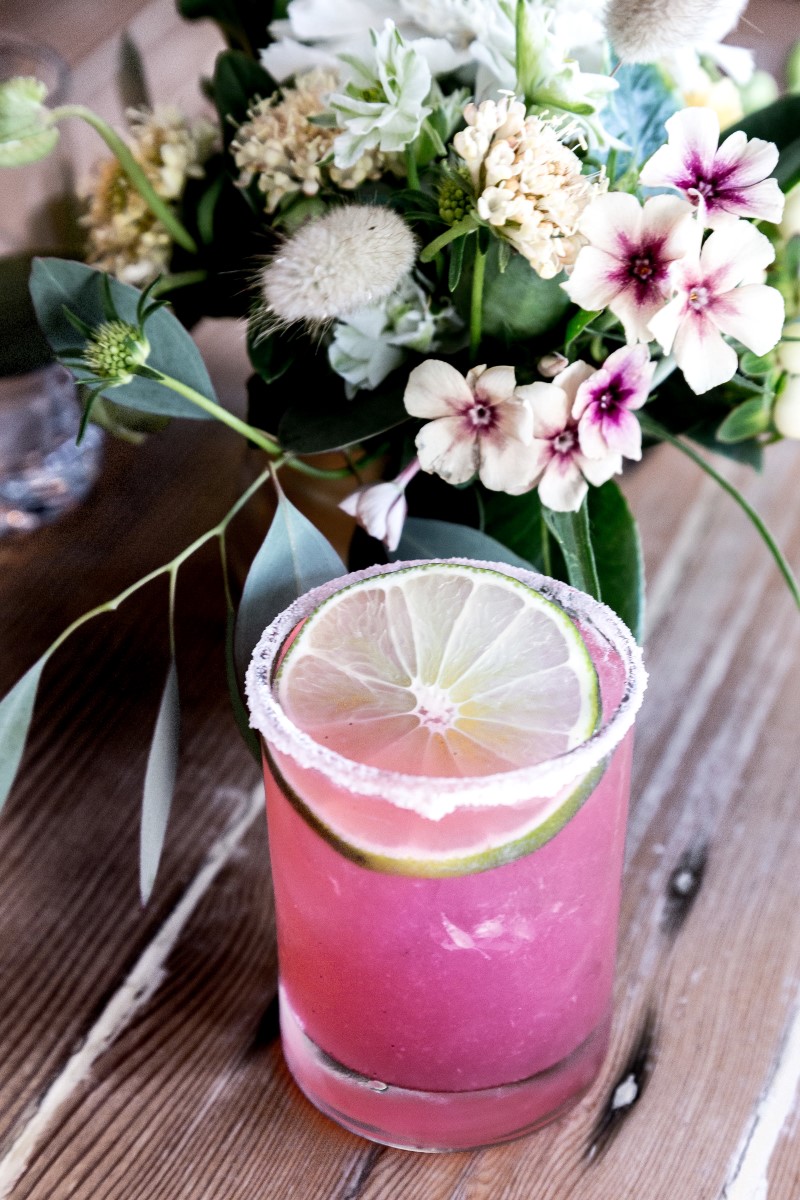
(16, 711)
(159, 783)
(293, 558)
(618, 555)
(238, 81)
(746, 421)
(778, 123)
(57, 284)
(517, 303)
(577, 324)
(425, 538)
(571, 531)
(243, 22)
(636, 113)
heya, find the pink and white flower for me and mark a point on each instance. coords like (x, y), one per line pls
(381, 508)
(719, 292)
(479, 425)
(626, 266)
(561, 468)
(721, 182)
(604, 404)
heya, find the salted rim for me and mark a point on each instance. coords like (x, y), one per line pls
(434, 796)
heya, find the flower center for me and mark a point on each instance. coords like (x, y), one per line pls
(642, 266)
(606, 401)
(481, 416)
(704, 188)
(698, 297)
(564, 443)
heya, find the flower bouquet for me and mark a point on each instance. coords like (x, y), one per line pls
(482, 247)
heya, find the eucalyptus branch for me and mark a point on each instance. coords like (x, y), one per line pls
(656, 430)
(138, 179)
(266, 443)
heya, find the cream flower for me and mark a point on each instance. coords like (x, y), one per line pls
(124, 237)
(479, 425)
(381, 508)
(528, 184)
(280, 147)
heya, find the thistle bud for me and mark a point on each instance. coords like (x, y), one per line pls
(114, 352)
(646, 30)
(26, 132)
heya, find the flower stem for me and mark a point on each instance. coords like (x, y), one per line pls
(476, 305)
(654, 429)
(411, 169)
(213, 409)
(158, 207)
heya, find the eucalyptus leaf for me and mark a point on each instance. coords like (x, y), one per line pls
(293, 557)
(16, 711)
(746, 421)
(317, 423)
(636, 112)
(159, 783)
(518, 303)
(425, 538)
(618, 554)
(57, 284)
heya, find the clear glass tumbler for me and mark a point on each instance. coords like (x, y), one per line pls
(443, 1013)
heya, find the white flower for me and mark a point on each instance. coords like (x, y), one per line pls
(604, 404)
(718, 294)
(560, 466)
(626, 266)
(371, 343)
(383, 107)
(336, 263)
(381, 508)
(786, 413)
(646, 30)
(479, 425)
(722, 183)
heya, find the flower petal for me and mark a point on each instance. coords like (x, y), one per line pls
(571, 379)
(594, 280)
(613, 223)
(635, 316)
(599, 470)
(753, 314)
(760, 201)
(444, 448)
(664, 325)
(668, 221)
(562, 486)
(435, 389)
(619, 433)
(693, 140)
(742, 162)
(550, 407)
(733, 253)
(496, 385)
(509, 466)
(702, 354)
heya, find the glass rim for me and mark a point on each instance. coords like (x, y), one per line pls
(543, 779)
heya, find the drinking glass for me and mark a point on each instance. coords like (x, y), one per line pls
(444, 1013)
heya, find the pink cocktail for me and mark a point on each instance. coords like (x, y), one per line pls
(454, 1010)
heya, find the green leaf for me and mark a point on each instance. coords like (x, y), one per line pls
(577, 324)
(518, 303)
(457, 249)
(571, 531)
(618, 554)
(131, 79)
(757, 365)
(57, 284)
(293, 558)
(317, 423)
(776, 123)
(238, 80)
(515, 521)
(746, 421)
(159, 783)
(425, 538)
(16, 710)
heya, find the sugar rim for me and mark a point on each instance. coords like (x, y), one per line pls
(544, 779)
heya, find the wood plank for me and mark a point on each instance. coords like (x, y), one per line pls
(181, 1105)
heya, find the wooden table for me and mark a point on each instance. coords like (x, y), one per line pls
(139, 1056)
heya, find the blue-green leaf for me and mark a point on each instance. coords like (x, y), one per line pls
(424, 538)
(618, 554)
(293, 558)
(159, 783)
(745, 421)
(16, 710)
(518, 303)
(571, 531)
(57, 284)
(637, 110)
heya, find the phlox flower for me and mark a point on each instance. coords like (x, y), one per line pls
(559, 465)
(604, 404)
(721, 182)
(718, 292)
(626, 266)
(479, 425)
(381, 508)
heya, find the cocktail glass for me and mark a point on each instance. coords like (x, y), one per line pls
(442, 1013)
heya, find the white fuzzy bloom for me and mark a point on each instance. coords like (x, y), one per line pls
(646, 30)
(383, 107)
(337, 263)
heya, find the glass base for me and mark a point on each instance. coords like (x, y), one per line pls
(438, 1121)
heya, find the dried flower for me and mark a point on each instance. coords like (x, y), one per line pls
(124, 237)
(528, 184)
(646, 30)
(710, 302)
(335, 264)
(383, 107)
(722, 182)
(280, 147)
(558, 463)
